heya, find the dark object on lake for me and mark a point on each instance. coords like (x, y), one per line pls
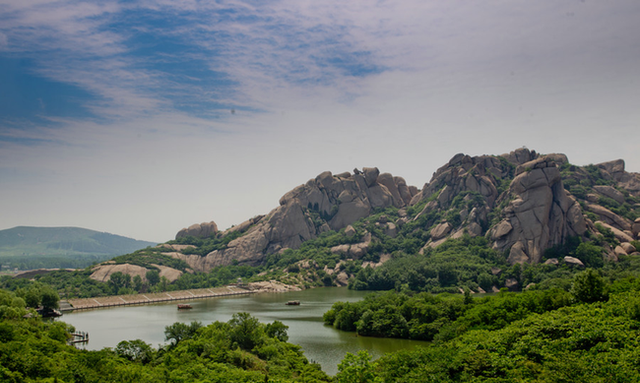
(79, 337)
(49, 312)
(184, 307)
(293, 303)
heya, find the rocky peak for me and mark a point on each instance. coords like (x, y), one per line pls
(540, 215)
(517, 200)
(326, 202)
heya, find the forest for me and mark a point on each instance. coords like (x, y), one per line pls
(586, 334)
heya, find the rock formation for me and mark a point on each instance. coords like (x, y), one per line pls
(199, 230)
(541, 215)
(327, 202)
(102, 273)
(517, 200)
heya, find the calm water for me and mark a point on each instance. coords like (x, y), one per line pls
(322, 344)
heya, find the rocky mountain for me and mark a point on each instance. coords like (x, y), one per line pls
(523, 202)
(518, 208)
(327, 202)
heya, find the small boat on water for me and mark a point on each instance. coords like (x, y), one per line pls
(184, 307)
(293, 303)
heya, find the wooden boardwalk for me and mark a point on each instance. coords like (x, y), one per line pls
(141, 299)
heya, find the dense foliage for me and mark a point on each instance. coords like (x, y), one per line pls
(425, 316)
(455, 264)
(241, 350)
(583, 343)
(586, 334)
(77, 284)
(76, 261)
(538, 336)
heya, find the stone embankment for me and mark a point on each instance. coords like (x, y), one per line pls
(141, 299)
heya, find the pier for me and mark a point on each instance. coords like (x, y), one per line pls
(79, 337)
(148, 298)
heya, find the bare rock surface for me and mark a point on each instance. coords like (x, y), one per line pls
(611, 192)
(272, 286)
(102, 273)
(572, 261)
(340, 200)
(199, 230)
(542, 215)
(609, 217)
(619, 234)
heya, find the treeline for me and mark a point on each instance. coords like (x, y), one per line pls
(241, 350)
(586, 335)
(51, 262)
(78, 284)
(441, 317)
(595, 342)
(424, 316)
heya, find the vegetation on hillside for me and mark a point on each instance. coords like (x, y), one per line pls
(586, 334)
(27, 248)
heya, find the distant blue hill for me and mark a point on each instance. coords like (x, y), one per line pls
(28, 247)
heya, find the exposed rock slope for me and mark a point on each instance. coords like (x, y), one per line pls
(327, 202)
(522, 201)
(542, 215)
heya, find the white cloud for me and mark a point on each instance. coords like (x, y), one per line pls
(456, 77)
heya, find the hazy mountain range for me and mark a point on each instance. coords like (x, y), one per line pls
(25, 243)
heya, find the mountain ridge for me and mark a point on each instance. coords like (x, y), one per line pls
(517, 199)
(65, 240)
(501, 211)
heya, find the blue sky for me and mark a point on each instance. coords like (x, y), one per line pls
(143, 117)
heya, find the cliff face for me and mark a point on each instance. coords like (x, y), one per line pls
(541, 214)
(327, 202)
(522, 201)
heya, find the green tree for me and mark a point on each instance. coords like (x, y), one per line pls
(137, 283)
(357, 368)
(119, 280)
(135, 351)
(180, 331)
(31, 296)
(50, 297)
(153, 276)
(277, 330)
(590, 254)
(245, 330)
(588, 287)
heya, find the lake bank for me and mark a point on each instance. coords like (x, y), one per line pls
(178, 295)
(320, 343)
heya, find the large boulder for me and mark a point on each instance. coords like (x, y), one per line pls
(611, 192)
(609, 217)
(572, 261)
(199, 230)
(440, 231)
(619, 234)
(542, 214)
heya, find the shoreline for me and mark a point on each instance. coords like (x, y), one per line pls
(178, 295)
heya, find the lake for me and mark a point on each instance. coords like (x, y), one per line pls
(322, 344)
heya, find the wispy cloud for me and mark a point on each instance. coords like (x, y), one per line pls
(131, 91)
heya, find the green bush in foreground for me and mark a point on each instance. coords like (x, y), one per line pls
(241, 350)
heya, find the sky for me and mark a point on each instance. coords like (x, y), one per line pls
(139, 118)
